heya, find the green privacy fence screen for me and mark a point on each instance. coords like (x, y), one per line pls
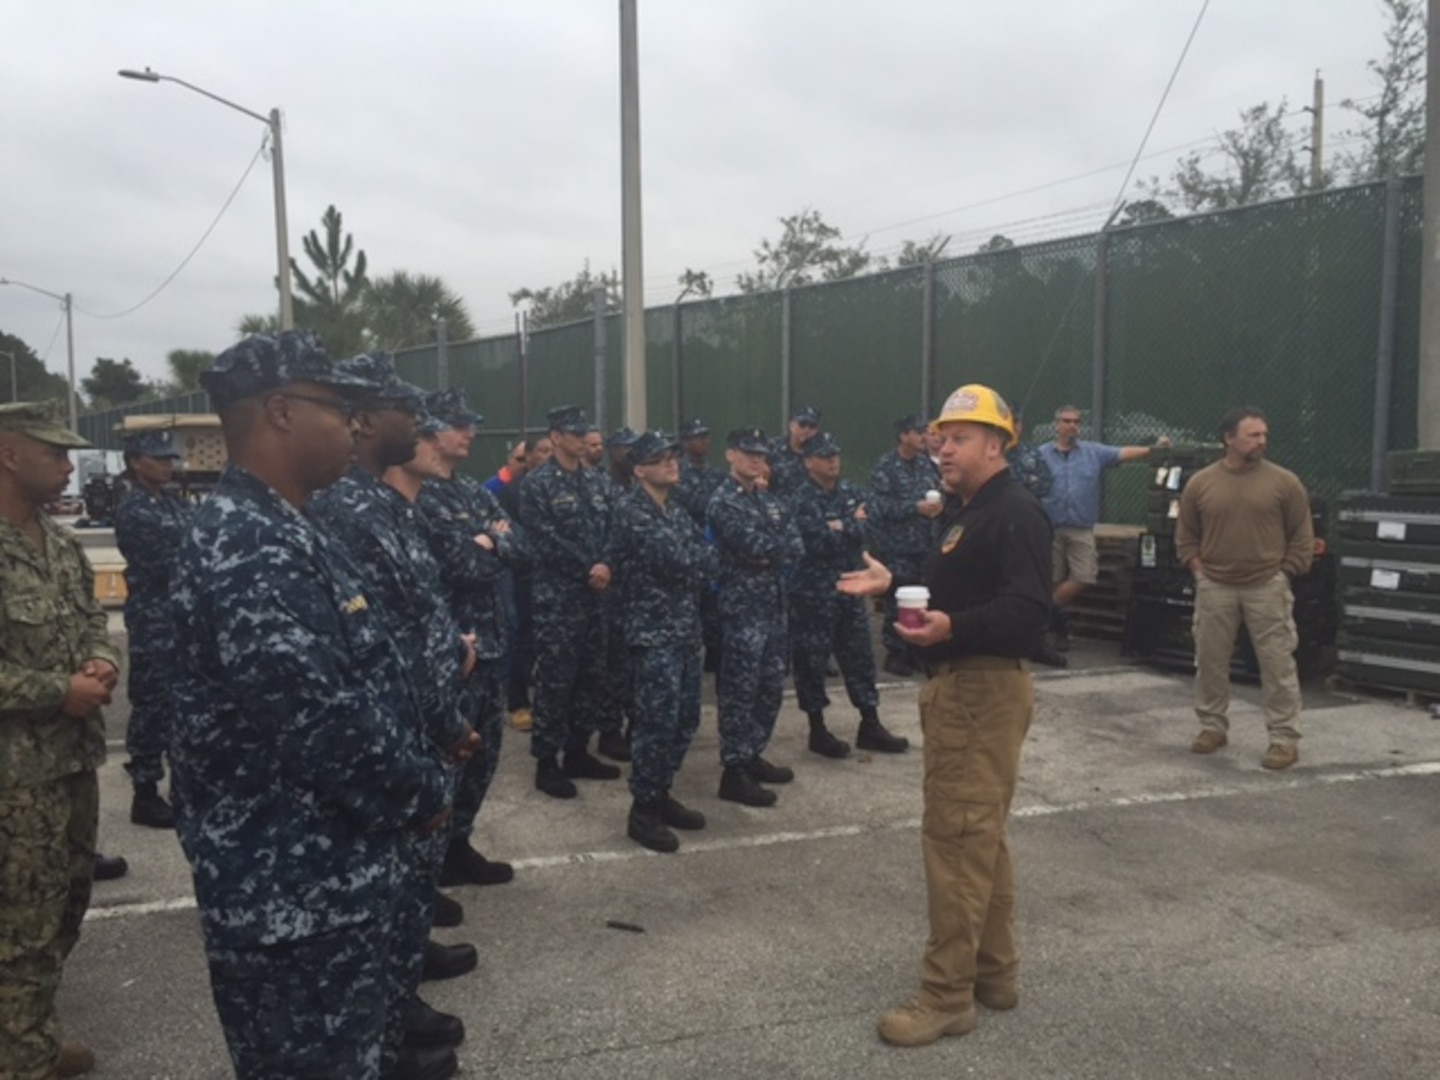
(1150, 330)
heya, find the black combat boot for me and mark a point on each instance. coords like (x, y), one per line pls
(425, 1026)
(873, 736)
(614, 745)
(447, 912)
(150, 809)
(110, 867)
(464, 865)
(550, 780)
(737, 785)
(679, 816)
(424, 1063)
(447, 961)
(647, 829)
(822, 741)
(765, 773)
(583, 765)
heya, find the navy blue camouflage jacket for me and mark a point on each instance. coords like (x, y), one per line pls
(758, 544)
(567, 522)
(455, 511)
(663, 562)
(385, 536)
(896, 485)
(148, 531)
(294, 757)
(833, 538)
(697, 484)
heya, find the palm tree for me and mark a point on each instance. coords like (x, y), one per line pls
(399, 311)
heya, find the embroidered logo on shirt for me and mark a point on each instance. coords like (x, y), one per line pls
(952, 539)
(354, 604)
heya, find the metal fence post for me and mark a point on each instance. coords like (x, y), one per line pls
(1097, 352)
(785, 359)
(598, 319)
(522, 375)
(442, 354)
(927, 340)
(1385, 349)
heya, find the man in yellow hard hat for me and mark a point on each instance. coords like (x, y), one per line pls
(989, 581)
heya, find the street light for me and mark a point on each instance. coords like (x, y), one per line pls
(69, 340)
(277, 157)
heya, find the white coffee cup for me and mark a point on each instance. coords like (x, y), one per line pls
(912, 600)
(932, 496)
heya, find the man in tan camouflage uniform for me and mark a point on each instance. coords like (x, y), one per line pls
(57, 667)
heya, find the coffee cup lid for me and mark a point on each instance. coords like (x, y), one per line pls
(912, 593)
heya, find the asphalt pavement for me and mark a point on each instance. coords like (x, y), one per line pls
(1179, 916)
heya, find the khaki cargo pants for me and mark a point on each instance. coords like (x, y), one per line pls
(974, 714)
(47, 862)
(1267, 610)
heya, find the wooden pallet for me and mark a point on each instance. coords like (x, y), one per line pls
(1409, 695)
(1100, 610)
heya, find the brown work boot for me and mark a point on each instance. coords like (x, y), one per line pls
(997, 996)
(917, 1024)
(1208, 741)
(1280, 756)
(74, 1060)
(521, 719)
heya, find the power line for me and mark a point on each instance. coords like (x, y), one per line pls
(193, 251)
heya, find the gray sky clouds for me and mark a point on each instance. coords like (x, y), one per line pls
(479, 140)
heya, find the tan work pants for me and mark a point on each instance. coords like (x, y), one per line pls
(1267, 610)
(974, 715)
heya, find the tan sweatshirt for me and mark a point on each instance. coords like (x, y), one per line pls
(1245, 524)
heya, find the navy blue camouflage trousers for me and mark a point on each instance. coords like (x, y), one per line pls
(313, 1009)
(570, 680)
(665, 716)
(838, 626)
(483, 702)
(751, 684)
(147, 732)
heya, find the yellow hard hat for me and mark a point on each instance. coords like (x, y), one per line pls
(976, 404)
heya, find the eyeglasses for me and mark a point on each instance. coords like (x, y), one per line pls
(347, 409)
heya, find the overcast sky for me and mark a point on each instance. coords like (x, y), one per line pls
(479, 140)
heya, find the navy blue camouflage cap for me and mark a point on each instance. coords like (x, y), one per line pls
(822, 445)
(570, 419)
(806, 414)
(651, 447)
(427, 423)
(748, 441)
(451, 409)
(152, 444)
(379, 369)
(913, 422)
(621, 437)
(41, 421)
(694, 428)
(265, 362)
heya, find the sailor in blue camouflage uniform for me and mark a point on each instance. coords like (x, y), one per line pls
(663, 563)
(475, 541)
(758, 545)
(293, 770)
(567, 521)
(787, 467)
(615, 713)
(1027, 464)
(902, 522)
(830, 514)
(698, 481)
(383, 534)
(149, 523)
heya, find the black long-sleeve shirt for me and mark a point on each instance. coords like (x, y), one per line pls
(990, 572)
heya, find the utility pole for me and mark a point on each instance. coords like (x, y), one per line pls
(632, 251)
(1427, 401)
(1317, 136)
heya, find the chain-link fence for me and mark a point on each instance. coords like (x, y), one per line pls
(1150, 330)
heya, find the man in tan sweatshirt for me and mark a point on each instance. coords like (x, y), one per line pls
(1244, 531)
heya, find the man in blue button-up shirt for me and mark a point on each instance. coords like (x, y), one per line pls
(1073, 505)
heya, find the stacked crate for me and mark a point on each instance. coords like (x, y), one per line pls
(1390, 569)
